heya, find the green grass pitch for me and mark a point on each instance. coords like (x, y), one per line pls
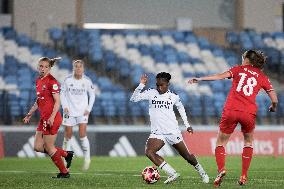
(106, 172)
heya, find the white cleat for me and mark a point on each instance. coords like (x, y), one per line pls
(86, 165)
(172, 178)
(205, 178)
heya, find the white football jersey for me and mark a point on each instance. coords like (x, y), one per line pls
(162, 116)
(78, 95)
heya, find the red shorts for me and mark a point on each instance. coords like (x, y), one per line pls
(47, 129)
(231, 118)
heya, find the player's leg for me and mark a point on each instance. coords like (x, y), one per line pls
(248, 125)
(246, 156)
(55, 155)
(68, 132)
(85, 145)
(220, 156)
(228, 123)
(38, 142)
(153, 145)
(68, 123)
(190, 158)
(220, 153)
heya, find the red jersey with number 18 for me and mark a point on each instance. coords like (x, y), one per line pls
(247, 82)
(45, 87)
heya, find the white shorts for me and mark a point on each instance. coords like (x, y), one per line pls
(170, 138)
(72, 121)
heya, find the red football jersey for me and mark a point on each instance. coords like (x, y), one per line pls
(247, 82)
(45, 87)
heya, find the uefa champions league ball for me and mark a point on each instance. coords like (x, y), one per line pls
(150, 175)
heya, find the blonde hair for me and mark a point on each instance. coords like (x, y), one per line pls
(51, 61)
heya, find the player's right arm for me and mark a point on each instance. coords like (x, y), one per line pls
(29, 115)
(137, 94)
(63, 97)
(219, 76)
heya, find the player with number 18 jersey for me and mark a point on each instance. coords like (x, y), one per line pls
(240, 107)
(247, 82)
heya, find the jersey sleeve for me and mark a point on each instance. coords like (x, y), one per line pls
(266, 84)
(92, 96)
(181, 111)
(54, 86)
(234, 71)
(138, 95)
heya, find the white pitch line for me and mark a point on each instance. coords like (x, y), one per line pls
(110, 174)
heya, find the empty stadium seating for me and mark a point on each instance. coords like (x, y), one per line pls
(123, 56)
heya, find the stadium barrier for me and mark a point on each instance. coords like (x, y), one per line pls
(129, 141)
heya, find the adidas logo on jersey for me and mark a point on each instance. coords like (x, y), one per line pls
(122, 148)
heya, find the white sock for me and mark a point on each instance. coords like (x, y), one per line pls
(167, 168)
(199, 169)
(66, 144)
(86, 147)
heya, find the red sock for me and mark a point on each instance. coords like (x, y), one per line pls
(62, 152)
(56, 158)
(246, 159)
(220, 157)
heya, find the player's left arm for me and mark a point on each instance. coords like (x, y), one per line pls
(182, 113)
(92, 97)
(219, 76)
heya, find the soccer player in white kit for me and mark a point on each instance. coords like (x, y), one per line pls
(164, 125)
(77, 99)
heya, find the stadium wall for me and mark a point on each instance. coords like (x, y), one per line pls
(34, 17)
(203, 13)
(129, 141)
(262, 15)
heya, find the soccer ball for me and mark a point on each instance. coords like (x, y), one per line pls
(150, 175)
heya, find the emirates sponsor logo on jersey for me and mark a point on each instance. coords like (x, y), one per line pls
(161, 104)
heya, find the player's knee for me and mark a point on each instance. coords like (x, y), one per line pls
(149, 153)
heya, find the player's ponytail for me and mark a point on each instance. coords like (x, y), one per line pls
(256, 58)
(51, 61)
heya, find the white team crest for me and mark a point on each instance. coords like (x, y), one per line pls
(55, 86)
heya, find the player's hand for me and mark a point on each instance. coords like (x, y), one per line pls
(144, 79)
(66, 111)
(189, 130)
(194, 80)
(86, 113)
(50, 121)
(272, 108)
(27, 118)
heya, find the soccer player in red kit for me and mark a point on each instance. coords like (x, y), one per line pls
(48, 103)
(240, 107)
